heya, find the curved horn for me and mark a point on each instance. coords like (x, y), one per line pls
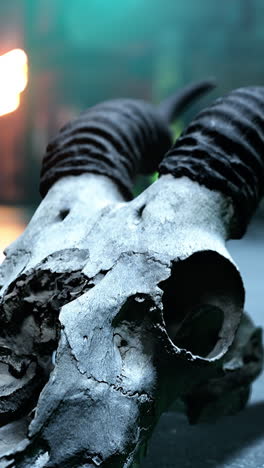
(116, 138)
(223, 149)
(172, 107)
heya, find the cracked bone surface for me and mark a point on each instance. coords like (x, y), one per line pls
(112, 309)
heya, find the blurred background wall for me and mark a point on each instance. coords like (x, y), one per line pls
(80, 52)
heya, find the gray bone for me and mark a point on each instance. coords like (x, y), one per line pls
(105, 353)
(108, 302)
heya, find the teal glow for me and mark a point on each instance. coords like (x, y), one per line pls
(102, 23)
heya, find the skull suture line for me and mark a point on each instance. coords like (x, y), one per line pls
(138, 302)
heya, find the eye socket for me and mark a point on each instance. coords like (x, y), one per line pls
(202, 304)
(199, 330)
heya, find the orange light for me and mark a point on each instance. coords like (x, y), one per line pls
(12, 224)
(13, 79)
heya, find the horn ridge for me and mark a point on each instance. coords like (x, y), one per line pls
(223, 149)
(110, 139)
(117, 138)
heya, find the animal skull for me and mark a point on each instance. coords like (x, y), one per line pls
(112, 309)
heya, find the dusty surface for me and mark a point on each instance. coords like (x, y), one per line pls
(237, 441)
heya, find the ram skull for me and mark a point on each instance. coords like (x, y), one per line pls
(112, 307)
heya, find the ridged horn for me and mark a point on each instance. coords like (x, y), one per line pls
(117, 138)
(223, 149)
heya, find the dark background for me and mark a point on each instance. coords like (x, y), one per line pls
(81, 52)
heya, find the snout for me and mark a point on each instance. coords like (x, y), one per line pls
(96, 425)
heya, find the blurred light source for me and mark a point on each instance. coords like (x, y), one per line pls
(13, 79)
(12, 223)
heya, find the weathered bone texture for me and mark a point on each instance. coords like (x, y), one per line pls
(113, 310)
(229, 392)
